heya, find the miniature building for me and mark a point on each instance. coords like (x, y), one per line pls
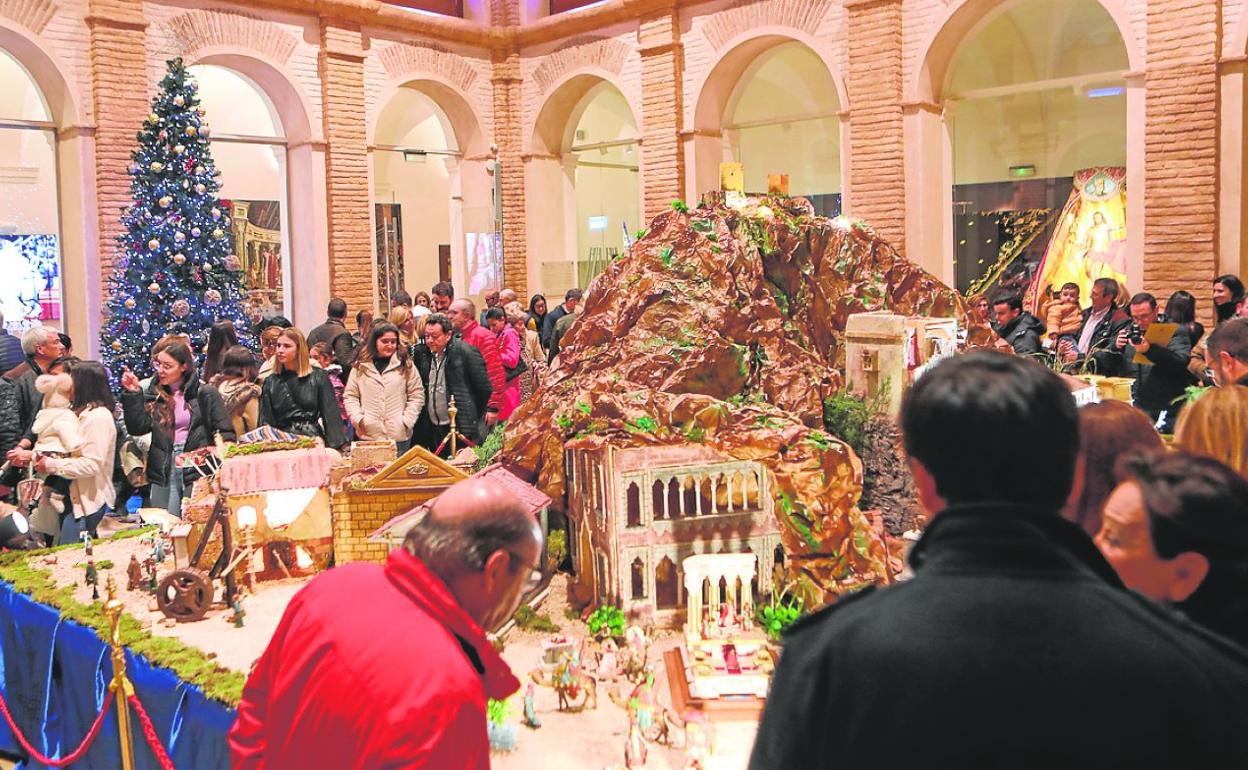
(361, 507)
(636, 514)
(888, 351)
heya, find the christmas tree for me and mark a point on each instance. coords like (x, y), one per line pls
(177, 272)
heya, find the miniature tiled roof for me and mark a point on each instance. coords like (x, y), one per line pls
(530, 495)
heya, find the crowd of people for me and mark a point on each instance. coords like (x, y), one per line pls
(392, 378)
(1111, 337)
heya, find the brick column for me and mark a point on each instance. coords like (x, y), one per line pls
(341, 63)
(120, 90)
(662, 111)
(1181, 148)
(877, 176)
(508, 113)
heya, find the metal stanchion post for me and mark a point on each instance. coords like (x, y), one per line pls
(121, 685)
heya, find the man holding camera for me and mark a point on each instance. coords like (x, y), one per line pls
(1160, 383)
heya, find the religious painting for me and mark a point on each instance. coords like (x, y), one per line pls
(256, 227)
(485, 262)
(31, 291)
(1090, 240)
(389, 218)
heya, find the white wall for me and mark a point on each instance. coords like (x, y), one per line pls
(423, 187)
(781, 119)
(606, 179)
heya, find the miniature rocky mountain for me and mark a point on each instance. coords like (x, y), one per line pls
(722, 326)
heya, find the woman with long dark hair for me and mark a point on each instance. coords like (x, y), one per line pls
(181, 413)
(385, 394)
(1181, 310)
(221, 337)
(1228, 291)
(90, 467)
(236, 382)
(297, 397)
(537, 313)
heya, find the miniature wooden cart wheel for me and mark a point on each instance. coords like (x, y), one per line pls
(184, 595)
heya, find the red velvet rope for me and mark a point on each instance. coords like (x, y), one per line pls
(78, 753)
(149, 732)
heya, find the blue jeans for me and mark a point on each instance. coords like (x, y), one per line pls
(72, 528)
(169, 494)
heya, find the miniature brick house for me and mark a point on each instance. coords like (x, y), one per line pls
(636, 514)
(361, 508)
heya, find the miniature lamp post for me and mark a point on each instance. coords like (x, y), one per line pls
(247, 518)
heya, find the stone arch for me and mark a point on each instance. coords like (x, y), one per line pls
(928, 148)
(404, 62)
(459, 118)
(58, 91)
(34, 15)
(743, 17)
(720, 82)
(577, 55)
(964, 17)
(556, 120)
(196, 30)
(292, 105)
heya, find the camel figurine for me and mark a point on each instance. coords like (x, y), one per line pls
(570, 683)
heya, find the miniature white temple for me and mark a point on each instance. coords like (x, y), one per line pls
(704, 576)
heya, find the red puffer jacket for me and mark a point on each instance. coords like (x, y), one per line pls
(371, 667)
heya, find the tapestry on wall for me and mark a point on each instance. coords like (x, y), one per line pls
(256, 227)
(1090, 240)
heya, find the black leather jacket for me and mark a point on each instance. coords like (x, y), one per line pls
(208, 418)
(304, 405)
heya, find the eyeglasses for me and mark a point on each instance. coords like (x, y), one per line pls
(535, 572)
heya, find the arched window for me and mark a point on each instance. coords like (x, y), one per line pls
(666, 588)
(1034, 96)
(638, 579)
(249, 148)
(658, 499)
(634, 505)
(30, 243)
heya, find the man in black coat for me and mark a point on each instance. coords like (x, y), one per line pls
(1015, 644)
(1165, 377)
(571, 299)
(449, 367)
(1226, 352)
(334, 331)
(1093, 345)
(42, 345)
(1022, 330)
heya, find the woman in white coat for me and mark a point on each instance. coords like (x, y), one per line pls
(384, 394)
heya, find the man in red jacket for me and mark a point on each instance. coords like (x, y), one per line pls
(463, 316)
(389, 667)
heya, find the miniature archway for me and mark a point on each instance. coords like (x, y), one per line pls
(432, 193)
(261, 144)
(773, 104)
(998, 110)
(583, 165)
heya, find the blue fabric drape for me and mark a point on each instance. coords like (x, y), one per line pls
(54, 675)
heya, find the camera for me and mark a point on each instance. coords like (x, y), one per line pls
(1134, 333)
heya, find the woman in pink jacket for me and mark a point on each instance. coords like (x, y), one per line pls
(509, 351)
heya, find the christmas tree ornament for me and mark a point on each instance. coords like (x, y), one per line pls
(186, 185)
(207, 267)
(216, 213)
(199, 170)
(154, 288)
(196, 232)
(200, 188)
(134, 168)
(153, 118)
(179, 100)
(130, 303)
(153, 244)
(179, 236)
(190, 131)
(178, 149)
(179, 258)
(233, 263)
(181, 308)
(156, 166)
(218, 233)
(116, 345)
(165, 201)
(212, 298)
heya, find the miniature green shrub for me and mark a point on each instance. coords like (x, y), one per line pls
(606, 620)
